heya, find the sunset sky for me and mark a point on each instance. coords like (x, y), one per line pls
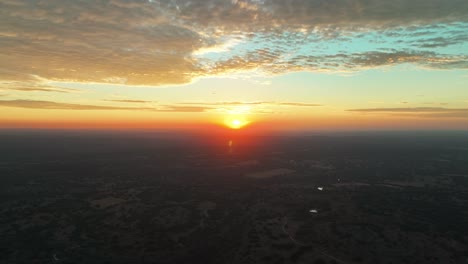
(273, 64)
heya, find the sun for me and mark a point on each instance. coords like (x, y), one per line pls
(236, 123)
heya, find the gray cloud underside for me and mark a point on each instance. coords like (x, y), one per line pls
(427, 112)
(461, 37)
(273, 14)
(32, 104)
(152, 42)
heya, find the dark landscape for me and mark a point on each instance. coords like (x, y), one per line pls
(166, 197)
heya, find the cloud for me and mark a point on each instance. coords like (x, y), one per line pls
(427, 112)
(33, 86)
(260, 58)
(64, 106)
(224, 46)
(437, 42)
(141, 42)
(428, 59)
(298, 104)
(32, 104)
(129, 101)
(407, 110)
(42, 89)
(95, 42)
(187, 109)
(273, 62)
(222, 103)
(268, 14)
(241, 108)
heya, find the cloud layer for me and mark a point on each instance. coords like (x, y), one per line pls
(161, 42)
(427, 112)
(298, 104)
(34, 104)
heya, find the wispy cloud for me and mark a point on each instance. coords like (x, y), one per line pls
(429, 112)
(405, 110)
(187, 109)
(128, 101)
(68, 106)
(221, 103)
(65, 106)
(33, 85)
(298, 104)
(40, 89)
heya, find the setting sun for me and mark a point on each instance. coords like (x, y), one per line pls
(236, 123)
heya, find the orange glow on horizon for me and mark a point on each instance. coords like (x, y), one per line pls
(215, 124)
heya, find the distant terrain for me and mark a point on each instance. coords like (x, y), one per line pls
(164, 197)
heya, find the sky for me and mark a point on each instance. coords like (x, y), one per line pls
(269, 64)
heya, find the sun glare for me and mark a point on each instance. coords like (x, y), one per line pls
(236, 123)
